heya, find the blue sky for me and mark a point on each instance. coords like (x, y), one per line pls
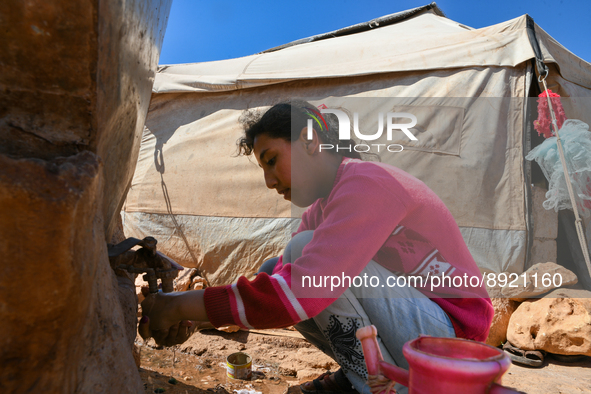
(201, 31)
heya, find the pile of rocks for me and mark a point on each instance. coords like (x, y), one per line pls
(537, 314)
(189, 279)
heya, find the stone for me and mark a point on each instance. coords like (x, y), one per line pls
(198, 279)
(545, 222)
(198, 283)
(189, 279)
(539, 279)
(184, 279)
(559, 323)
(504, 308)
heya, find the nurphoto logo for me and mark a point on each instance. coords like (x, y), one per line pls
(345, 131)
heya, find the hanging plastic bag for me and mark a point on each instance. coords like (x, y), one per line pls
(576, 142)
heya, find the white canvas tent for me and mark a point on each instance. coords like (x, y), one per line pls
(210, 209)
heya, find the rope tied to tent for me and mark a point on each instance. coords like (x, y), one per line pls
(578, 221)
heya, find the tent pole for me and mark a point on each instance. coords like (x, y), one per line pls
(569, 186)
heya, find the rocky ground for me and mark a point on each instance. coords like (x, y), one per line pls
(282, 359)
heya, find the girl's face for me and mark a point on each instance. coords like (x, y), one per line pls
(274, 157)
(300, 184)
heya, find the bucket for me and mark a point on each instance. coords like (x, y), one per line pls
(440, 365)
(239, 366)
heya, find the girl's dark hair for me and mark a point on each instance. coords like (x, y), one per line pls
(286, 120)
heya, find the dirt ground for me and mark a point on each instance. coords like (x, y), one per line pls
(282, 360)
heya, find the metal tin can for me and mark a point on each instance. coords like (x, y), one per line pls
(239, 366)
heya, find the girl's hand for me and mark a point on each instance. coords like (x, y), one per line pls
(171, 318)
(158, 307)
(174, 335)
(158, 321)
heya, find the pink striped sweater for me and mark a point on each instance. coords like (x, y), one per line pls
(374, 211)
